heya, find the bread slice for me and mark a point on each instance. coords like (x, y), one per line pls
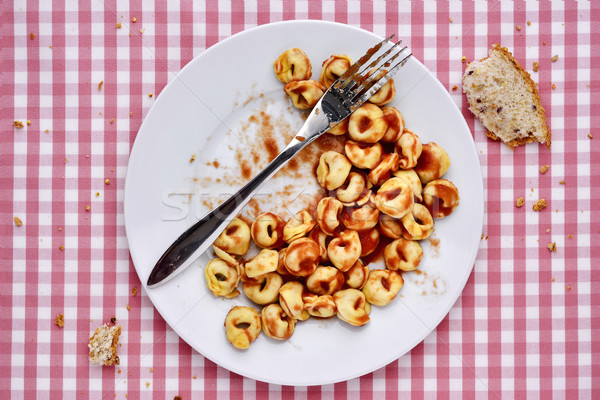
(103, 345)
(505, 99)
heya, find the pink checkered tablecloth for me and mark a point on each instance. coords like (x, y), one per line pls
(528, 321)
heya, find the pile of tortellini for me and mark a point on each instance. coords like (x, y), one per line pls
(387, 183)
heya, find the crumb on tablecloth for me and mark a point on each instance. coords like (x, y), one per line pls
(551, 246)
(520, 202)
(539, 205)
(134, 290)
(555, 58)
(454, 88)
(544, 168)
(18, 124)
(18, 221)
(119, 25)
(60, 320)
(100, 85)
(103, 345)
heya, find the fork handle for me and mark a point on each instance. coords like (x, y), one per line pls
(199, 237)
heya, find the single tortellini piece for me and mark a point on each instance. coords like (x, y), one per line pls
(264, 262)
(302, 257)
(290, 300)
(263, 289)
(222, 278)
(410, 176)
(352, 306)
(441, 197)
(433, 163)
(418, 223)
(304, 94)
(382, 286)
(344, 250)
(355, 186)
(363, 155)
(333, 170)
(394, 198)
(281, 270)
(319, 306)
(267, 231)
(395, 122)
(235, 239)
(298, 226)
(228, 258)
(341, 128)
(321, 238)
(360, 218)
(334, 67)
(292, 65)
(386, 93)
(325, 280)
(276, 323)
(242, 326)
(409, 148)
(368, 241)
(390, 226)
(356, 277)
(328, 215)
(403, 255)
(367, 124)
(383, 170)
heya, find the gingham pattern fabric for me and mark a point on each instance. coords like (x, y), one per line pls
(527, 323)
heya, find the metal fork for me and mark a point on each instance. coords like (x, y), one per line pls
(345, 95)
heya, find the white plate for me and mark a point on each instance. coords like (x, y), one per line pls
(202, 111)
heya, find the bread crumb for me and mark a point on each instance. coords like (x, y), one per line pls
(130, 114)
(147, 384)
(112, 120)
(128, 307)
(555, 58)
(544, 43)
(570, 236)
(562, 182)
(569, 287)
(520, 202)
(103, 345)
(192, 158)
(100, 85)
(450, 19)
(49, 47)
(539, 205)
(107, 181)
(119, 25)
(129, 34)
(149, 94)
(553, 279)
(552, 246)
(87, 207)
(133, 19)
(547, 230)
(177, 398)
(194, 377)
(47, 131)
(590, 136)
(482, 236)
(518, 27)
(454, 88)
(528, 23)
(31, 36)
(553, 86)
(61, 247)
(544, 168)
(18, 124)
(60, 320)
(113, 320)
(134, 291)
(464, 59)
(28, 122)
(142, 30)
(536, 66)
(18, 221)
(59, 228)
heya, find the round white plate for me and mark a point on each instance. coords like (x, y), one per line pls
(205, 111)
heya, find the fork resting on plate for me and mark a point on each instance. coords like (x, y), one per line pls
(344, 96)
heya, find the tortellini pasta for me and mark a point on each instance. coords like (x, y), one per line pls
(304, 94)
(344, 250)
(266, 261)
(328, 215)
(263, 289)
(290, 300)
(222, 278)
(276, 324)
(235, 239)
(367, 124)
(394, 198)
(321, 238)
(418, 223)
(242, 326)
(355, 186)
(368, 241)
(319, 306)
(340, 128)
(352, 307)
(267, 231)
(334, 67)
(410, 176)
(363, 155)
(357, 275)
(333, 170)
(395, 122)
(292, 65)
(383, 170)
(441, 197)
(390, 226)
(433, 163)
(386, 93)
(302, 257)
(360, 218)
(382, 286)
(409, 148)
(325, 280)
(298, 226)
(403, 255)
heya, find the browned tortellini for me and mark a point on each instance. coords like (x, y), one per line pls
(418, 223)
(242, 326)
(441, 197)
(356, 277)
(367, 124)
(304, 94)
(264, 262)
(390, 226)
(340, 128)
(290, 300)
(409, 147)
(334, 67)
(433, 163)
(382, 286)
(363, 155)
(360, 218)
(267, 231)
(368, 241)
(403, 255)
(333, 170)
(410, 176)
(325, 280)
(292, 65)
(395, 122)
(355, 186)
(321, 238)
(344, 250)
(276, 323)
(222, 278)
(386, 93)
(298, 226)
(302, 257)
(328, 215)
(235, 239)
(263, 289)
(319, 306)
(352, 306)
(383, 170)
(394, 198)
